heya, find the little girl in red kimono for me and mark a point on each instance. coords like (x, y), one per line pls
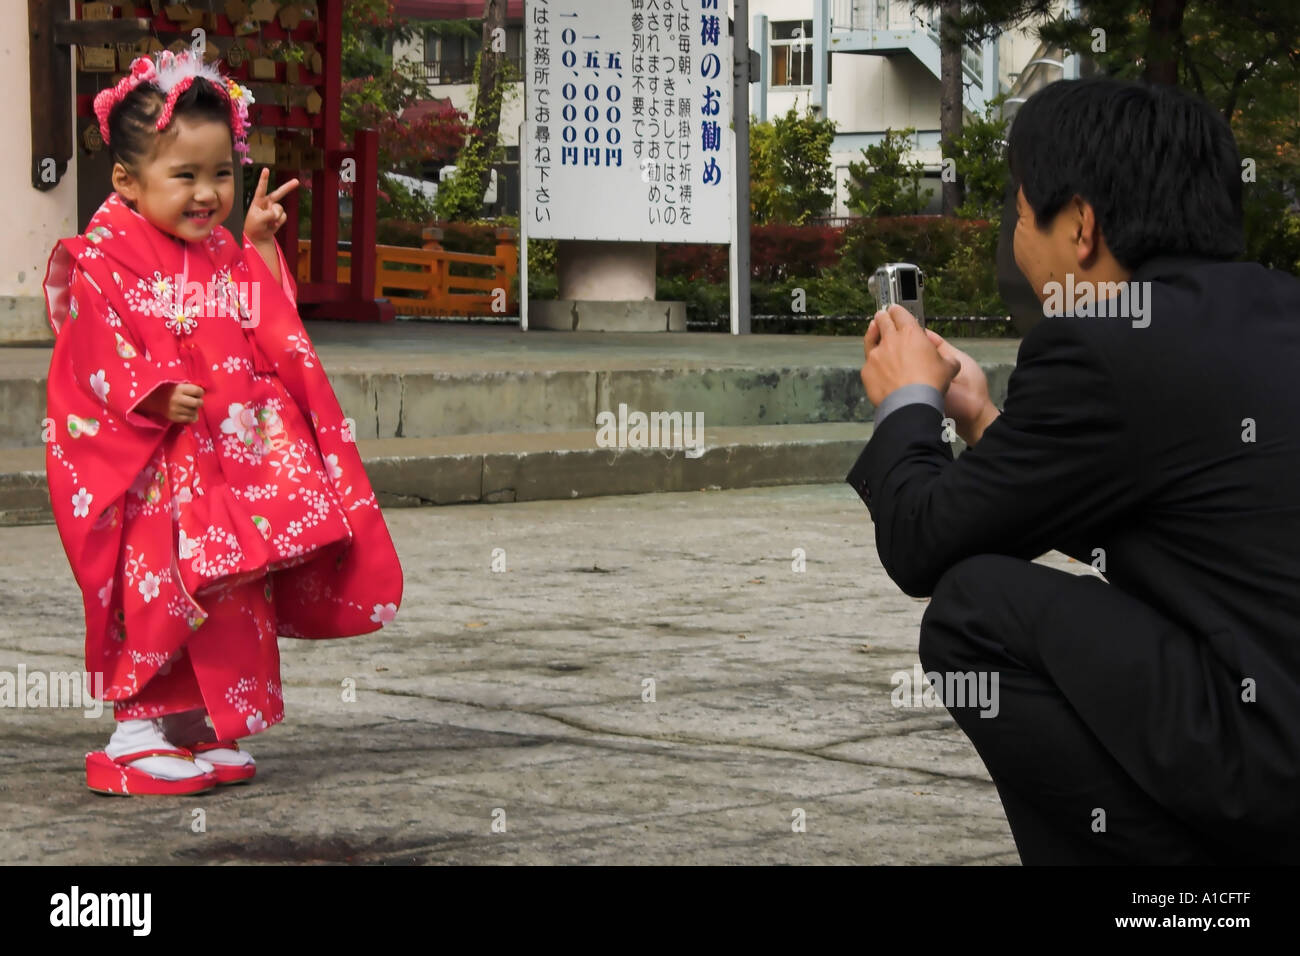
(206, 486)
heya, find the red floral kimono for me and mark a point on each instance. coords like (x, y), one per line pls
(195, 545)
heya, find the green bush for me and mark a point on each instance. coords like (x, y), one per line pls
(1272, 231)
(399, 232)
(884, 183)
(956, 255)
(540, 285)
(927, 241)
(818, 295)
(541, 257)
(967, 284)
(705, 301)
(398, 201)
(790, 175)
(978, 157)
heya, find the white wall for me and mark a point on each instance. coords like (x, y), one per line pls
(34, 220)
(512, 109)
(867, 93)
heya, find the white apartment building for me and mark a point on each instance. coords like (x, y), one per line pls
(881, 72)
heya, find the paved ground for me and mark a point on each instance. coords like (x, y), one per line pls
(520, 693)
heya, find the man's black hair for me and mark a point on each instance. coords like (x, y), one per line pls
(131, 124)
(1158, 165)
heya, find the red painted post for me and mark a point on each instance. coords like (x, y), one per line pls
(325, 182)
(364, 200)
(289, 238)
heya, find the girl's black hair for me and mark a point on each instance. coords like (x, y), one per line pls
(1159, 166)
(131, 124)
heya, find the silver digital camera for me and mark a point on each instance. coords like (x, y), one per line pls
(899, 283)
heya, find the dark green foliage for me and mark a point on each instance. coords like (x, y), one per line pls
(885, 183)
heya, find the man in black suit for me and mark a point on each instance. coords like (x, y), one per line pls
(1154, 716)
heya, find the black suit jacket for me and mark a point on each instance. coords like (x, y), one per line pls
(1131, 440)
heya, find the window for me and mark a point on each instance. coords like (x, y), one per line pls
(792, 53)
(451, 59)
(515, 45)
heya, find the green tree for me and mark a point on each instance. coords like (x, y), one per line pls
(1242, 58)
(980, 155)
(791, 179)
(885, 183)
(764, 186)
(375, 92)
(461, 197)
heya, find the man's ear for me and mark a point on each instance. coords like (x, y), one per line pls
(1087, 239)
(125, 184)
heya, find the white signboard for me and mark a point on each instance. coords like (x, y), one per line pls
(627, 128)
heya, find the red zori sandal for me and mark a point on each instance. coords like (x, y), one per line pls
(105, 774)
(225, 769)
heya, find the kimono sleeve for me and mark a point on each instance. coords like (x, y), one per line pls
(104, 358)
(278, 329)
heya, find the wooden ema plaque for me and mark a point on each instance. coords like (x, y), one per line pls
(287, 52)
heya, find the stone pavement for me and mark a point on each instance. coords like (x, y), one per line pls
(518, 696)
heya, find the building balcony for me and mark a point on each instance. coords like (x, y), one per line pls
(451, 72)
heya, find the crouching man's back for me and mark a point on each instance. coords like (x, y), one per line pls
(1152, 432)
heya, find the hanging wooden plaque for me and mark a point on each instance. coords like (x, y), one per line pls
(290, 16)
(263, 68)
(263, 10)
(96, 59)
(90, 137)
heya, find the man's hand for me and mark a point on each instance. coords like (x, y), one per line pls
(178, 403)
(967, 400)
(898, 353)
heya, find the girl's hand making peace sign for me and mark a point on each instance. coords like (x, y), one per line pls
(265, 214)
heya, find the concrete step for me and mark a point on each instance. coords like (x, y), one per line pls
(552, 465)
(434, 405)
(404, 382)
(438, 404)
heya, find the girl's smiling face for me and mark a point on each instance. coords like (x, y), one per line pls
(186, 186)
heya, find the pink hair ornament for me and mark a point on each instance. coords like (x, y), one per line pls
(172, 74)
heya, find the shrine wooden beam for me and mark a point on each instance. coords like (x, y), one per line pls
(52, 35)
(99, 32)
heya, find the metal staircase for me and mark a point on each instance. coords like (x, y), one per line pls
(882, 28)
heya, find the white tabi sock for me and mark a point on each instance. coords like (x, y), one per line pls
(136, 735)
(191, 727)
